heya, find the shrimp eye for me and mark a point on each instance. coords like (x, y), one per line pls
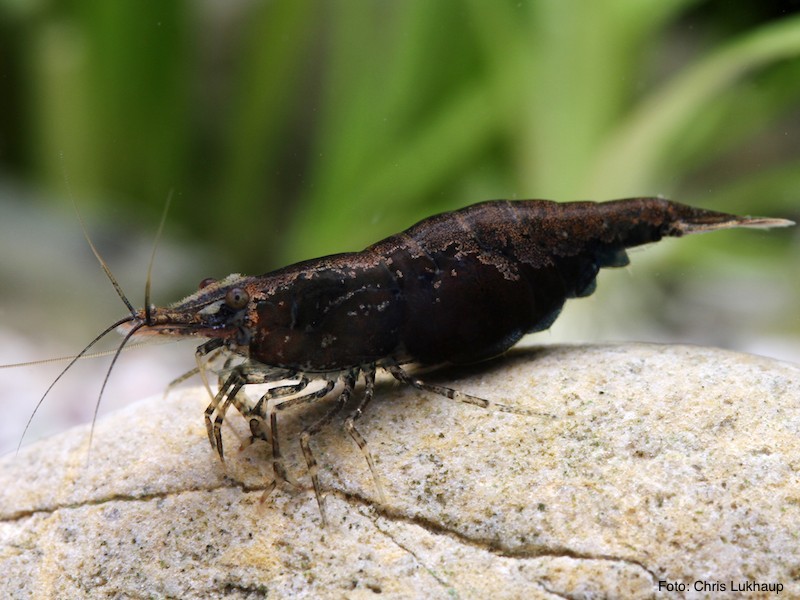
(237, 298)
(206, 282)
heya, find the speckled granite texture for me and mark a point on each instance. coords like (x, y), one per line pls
(666, 463)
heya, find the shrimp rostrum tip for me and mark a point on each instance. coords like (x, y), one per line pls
(457, 287)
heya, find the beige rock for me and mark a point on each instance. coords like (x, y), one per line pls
(669, 463)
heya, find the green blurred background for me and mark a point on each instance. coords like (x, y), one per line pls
(293, 129)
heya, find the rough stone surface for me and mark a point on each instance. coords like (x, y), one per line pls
(669, 463)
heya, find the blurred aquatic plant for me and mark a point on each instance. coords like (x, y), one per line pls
(295, 128)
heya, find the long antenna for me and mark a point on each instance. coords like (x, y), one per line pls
(105, 381)
(153, 257)
(47, 361)
(132, 318)
(88, 239)
(68, 367)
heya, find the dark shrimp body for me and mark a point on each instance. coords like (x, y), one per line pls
(457, 287)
